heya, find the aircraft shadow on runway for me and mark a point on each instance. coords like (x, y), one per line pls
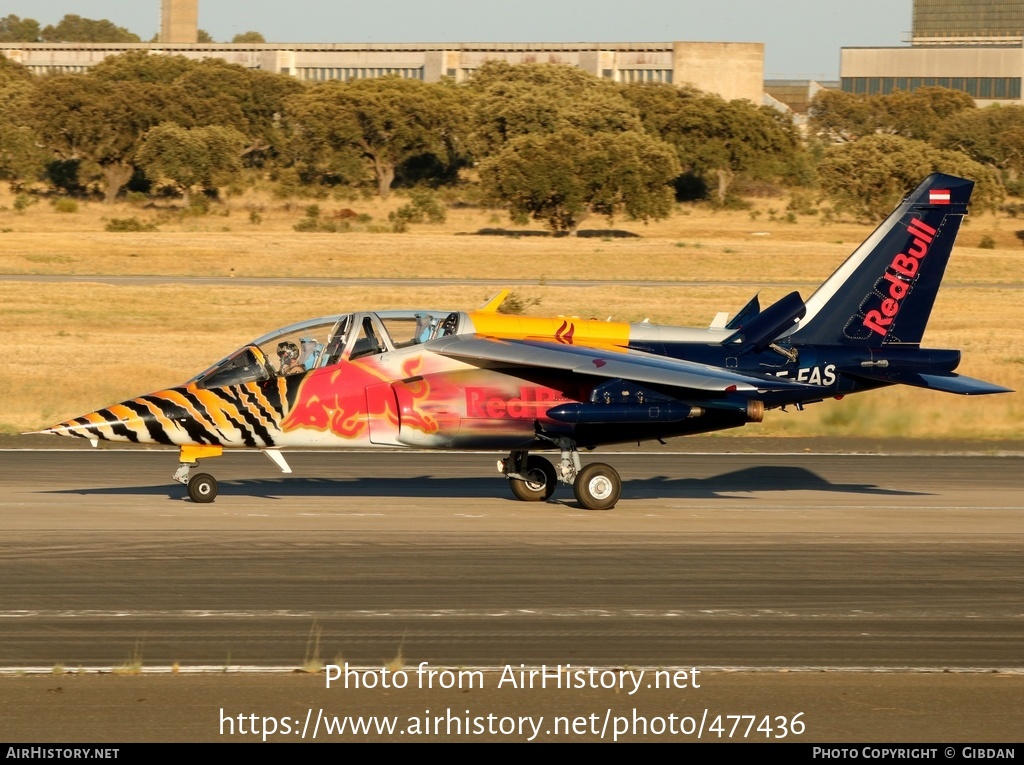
(727, 485)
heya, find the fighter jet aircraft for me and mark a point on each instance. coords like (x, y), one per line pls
(448, 379)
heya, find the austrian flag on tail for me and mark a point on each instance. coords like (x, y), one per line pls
(938, 196)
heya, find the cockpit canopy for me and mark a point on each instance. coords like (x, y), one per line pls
(316, 343)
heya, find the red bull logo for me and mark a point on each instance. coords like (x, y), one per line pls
(335, 400)
(497, 404)
(899, 276)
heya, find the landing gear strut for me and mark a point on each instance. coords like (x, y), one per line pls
(533, 478)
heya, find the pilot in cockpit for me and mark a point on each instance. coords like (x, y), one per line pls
(288, 355)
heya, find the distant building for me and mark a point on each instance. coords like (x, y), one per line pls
(179, 21)
(794, 95)
(971, 22)
(976, 46)
(732, 70)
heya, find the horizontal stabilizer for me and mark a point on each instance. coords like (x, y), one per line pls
(947, 383)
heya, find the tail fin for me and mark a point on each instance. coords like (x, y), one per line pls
(885, 290)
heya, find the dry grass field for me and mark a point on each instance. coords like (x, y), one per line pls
(73, 347)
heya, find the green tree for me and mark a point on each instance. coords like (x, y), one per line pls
(993, 136)
(923, 113)
(561, 178)
(379, 123)
(74, 28)
(510, 101)
(840, 117)
(203, 36)
(14, 29)
(248, 37)
(12, 70)
(204, 157)
(715, 139)
(493, 73)
(920, 114)
(22, 159)
(250, 101)
(211, 92)
(100, 123)
(869, 177)
(319, 147)
(142, 66)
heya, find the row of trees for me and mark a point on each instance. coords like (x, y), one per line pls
(879, 146)
(549, 142)
(71, 28)
(74, 28)
(78, 130)
(546, 141)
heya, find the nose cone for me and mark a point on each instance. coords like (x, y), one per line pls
(78, 428)
(116, 423)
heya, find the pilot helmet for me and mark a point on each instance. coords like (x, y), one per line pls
(288, 352)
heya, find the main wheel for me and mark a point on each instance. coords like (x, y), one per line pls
(542, 483)
(597, 487)
(202, 487)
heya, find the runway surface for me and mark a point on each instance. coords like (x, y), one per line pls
(797, 561)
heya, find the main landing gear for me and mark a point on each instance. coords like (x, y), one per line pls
(533, 478)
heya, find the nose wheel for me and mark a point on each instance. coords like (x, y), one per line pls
(202, 487)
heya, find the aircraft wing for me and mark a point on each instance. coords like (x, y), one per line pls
(626, 364)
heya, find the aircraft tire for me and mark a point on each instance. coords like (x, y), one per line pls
(202, 487)
(536, 491)
(597, 487)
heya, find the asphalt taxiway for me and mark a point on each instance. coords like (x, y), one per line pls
(851, 564)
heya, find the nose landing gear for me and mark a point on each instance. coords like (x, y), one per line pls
(202, 487)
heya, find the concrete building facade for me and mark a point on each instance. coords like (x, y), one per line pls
(952, 22)
(976, 46)
(731, 70)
